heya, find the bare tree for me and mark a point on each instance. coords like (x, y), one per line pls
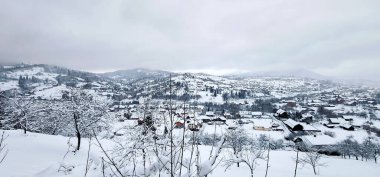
(111, 161)
(268, 158)
(206, 167)
(297, 148)
(249, 156)
(312, 158)
(3, 151)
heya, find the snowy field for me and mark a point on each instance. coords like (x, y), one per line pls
(8, 85)
(49, 151)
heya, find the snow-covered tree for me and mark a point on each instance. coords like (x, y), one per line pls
(21, 110)
(371, 148)
(3, 105)
(236, 140)
(52, 118)
(347, 147)
(87, 112)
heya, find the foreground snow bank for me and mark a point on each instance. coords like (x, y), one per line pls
(42, 155)
(38, 155)
(282, 165)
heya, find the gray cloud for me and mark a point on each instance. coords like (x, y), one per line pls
(336, 38)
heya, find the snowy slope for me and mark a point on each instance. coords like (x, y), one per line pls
(49, 92)
(12, 84)
(24, 150)
(50, 152)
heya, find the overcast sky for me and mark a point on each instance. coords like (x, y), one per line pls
(330, 37)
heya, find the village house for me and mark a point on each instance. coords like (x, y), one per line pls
(256, 114)
(281, 114)
(307, 118)
(210, 114)
(220, 120)
(262, 124)
(194, 125)
(245, 114)
(293, 125)
(204, 119)
(291, 103)
(317, 141)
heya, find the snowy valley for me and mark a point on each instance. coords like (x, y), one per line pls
(62, 122)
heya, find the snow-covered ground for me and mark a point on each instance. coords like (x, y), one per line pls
(341, 134)
(38, 155)
(50, 92)
(282, 165)
(208, 97)
(13, 84)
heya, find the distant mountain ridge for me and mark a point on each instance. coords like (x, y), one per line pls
(40, 69)
(143, 73)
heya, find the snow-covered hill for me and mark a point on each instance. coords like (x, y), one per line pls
(136, 74)
(46, 81)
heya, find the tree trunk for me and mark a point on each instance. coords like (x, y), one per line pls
(79, 138)
(144, 159)
(295, 170)
(235, 152)
(77, 132)
(26, 124)
(266, 171)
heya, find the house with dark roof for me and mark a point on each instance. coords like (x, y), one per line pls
(293, 125)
